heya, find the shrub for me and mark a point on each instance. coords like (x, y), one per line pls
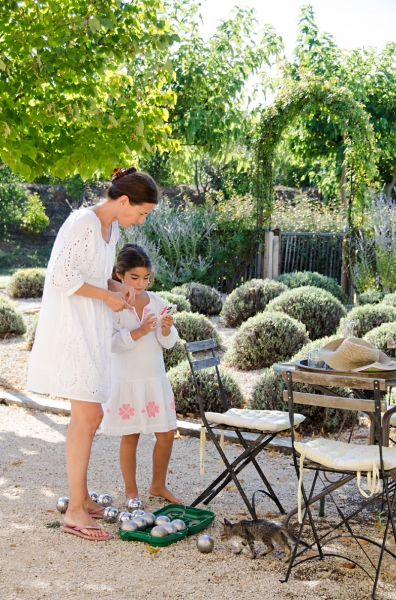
(370, 297)
(265, 339)
(319, 310)
(193, 327)
(181, 302)
(379, 336)
(31, 332)
(249, 299)
(389, 300)
(319, 343)
(11, 320)
(203, 299)
(267, 394)
(185, 392)
(27, 283)
(19, 210)
(34, 217)
(304, 278)
(369, 316)
(174, 356)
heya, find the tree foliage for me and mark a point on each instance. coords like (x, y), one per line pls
(76, 95)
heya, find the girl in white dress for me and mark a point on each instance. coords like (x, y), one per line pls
(141, 398)
(71, 353)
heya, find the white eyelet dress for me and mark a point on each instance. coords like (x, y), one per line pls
(141, 398)
(71, 353)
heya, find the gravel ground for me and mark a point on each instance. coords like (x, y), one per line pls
(38, 563)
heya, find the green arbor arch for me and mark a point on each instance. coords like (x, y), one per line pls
(308, 97)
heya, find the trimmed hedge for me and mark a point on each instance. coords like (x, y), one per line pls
(249, 299)
(380, 336)
(11, 320)
(267, 394)
(369, 297)
(368, 317)
(181, 302)
(389, 300)
(27, 283)
(185, 392)
(31, 332)
(203, 298)
(174, 356)
(265, 339)
(319, 310)
(193, 327)
(304, 278)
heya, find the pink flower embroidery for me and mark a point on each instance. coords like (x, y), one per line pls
(172, 404)
(143, 410)
(126, 412)
(152, 409)
(108, 410)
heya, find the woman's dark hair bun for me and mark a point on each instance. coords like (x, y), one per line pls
(119, 172)
(139, 187)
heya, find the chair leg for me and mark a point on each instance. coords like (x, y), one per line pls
(390, 520)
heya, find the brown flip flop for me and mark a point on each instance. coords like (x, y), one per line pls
(78, 531)
(96, 513)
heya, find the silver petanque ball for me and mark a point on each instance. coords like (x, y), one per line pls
(162, 519)
(110, 514)
(205, 544)
(141, 523)
(94, 496)
(62, 504)
(179, 524)
(158, 531)
(105, 500)
(169, 528)
(128, 525)
(150, 518)
(134, 503)
(124, 516)
(138, 513)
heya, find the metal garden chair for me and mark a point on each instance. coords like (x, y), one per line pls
(265, 423)
(326, 457)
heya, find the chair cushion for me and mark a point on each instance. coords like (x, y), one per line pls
(347, 457)
(262, 420)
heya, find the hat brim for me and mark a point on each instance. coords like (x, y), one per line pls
(384, 363)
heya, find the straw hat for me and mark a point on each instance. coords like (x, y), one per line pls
(354, 354)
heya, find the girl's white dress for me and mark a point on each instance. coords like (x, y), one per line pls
(71, 353)
(141, 398)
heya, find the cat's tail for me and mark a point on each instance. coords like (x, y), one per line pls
(288, 534)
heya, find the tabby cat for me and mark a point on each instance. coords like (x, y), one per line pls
(261, 530)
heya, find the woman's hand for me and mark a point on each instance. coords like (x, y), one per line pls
(167, 323)
(115, 301)
(128, 293)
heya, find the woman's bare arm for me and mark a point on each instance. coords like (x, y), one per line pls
(113, 299)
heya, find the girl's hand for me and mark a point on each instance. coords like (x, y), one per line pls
(115, 301)
(167, 323)
(150, 324)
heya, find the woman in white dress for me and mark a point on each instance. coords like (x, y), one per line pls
(141, 399)
(71, 353)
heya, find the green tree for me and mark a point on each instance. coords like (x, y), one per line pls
(76, 93)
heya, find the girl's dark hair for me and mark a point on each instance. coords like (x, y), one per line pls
(139, 187)
(129, 257)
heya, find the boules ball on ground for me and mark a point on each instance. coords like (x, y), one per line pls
(179, 524)
(133, 504)
(205, 544)
(128, 525)
(141, 523)
(105, 500)
(94, 496)
(169, 528)
(162, 519)
(158, 531)
(124, 516)
(150, 518)
(110, 514)
(62, 504)
(138, 513)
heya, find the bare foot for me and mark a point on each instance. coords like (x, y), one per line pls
(81, 518)
(165, 493)
(91, 505)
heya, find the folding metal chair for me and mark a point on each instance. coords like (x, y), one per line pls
(265, 423)
(325, 457)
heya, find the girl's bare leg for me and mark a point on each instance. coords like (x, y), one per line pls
(128, 464)
(161, 455)
(85, 419)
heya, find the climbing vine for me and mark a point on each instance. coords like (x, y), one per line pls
(309, 97)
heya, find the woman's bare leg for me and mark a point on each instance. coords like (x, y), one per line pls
(85, 419)
(161, 455)
(128, 464)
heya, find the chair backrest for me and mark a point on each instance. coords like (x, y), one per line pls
(375, 406)
(204, 363)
